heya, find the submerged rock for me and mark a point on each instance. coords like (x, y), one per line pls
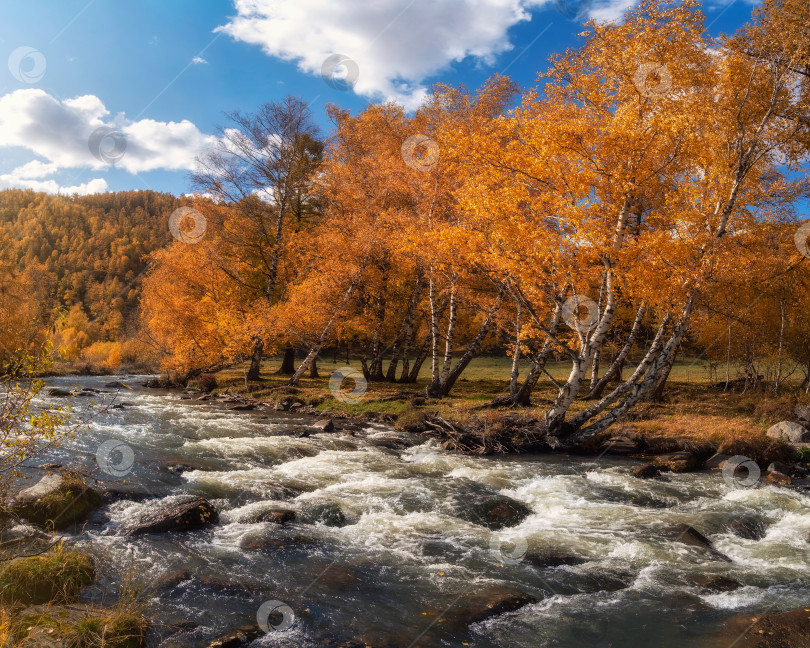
(496, 512)
(489, 602)
(326, 513)
(56, 500)
(553, 558)
(274, 516)
(690, 536)
(716, 582)
(59, 393)
(748, 528)
(779, 630)
(185, 515)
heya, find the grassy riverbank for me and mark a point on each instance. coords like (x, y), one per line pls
(693, 408)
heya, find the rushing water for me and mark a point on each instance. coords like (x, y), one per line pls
(407, 559)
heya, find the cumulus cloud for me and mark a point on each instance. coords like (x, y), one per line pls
(59, 132)
(199, 60)
(396, 45)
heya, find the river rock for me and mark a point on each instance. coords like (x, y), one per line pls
(647, 471)
(715, 462)
(237, 638)
(775, 630)
(273, 541)
(780, 467)
(677, 462)
(489, 602)
(115, 384)
(620, 445)
(188, 514)
(56, 499)
(716, 582)
(324, 425)
(552, 558)
(789, 432)
(497, 512)
(242, 407)
(275, 516)
(690, 536)
(59, 393)
(327, 513)
(747, 528)
(778, 478)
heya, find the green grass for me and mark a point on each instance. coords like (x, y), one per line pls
(58, 574)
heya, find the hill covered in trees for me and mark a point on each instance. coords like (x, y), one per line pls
(70, 270)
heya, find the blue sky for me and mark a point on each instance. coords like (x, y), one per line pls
(164, 72)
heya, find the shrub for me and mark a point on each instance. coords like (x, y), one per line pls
(207, 382)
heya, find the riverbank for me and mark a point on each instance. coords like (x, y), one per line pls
(694, 416)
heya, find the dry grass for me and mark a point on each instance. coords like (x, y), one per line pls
(692, 408)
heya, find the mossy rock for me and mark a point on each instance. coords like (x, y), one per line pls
(79, 626)
(57, 501)
(56, 575)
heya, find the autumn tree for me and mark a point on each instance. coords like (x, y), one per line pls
(262, 169)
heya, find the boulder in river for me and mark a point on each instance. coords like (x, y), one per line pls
(324, 425)
(789, 432)
(497, 512)
(553, 558)
(56, 500)
(59, 393)
(327, 513)
(716, 582)
(750, 528)
(677, 461)
(690, 536)
(647, 471)
(187, 514)
(275, 516)
(483, 604)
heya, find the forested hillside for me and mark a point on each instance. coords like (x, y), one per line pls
(71, 267)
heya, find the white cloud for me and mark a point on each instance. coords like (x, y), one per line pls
(20, 179)
(396, 45)
(199, 60)
(59, 132)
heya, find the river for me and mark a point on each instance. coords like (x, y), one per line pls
(408, 556)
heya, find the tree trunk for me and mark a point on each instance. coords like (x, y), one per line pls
(316, 348)
(413, 376)
(287, 362)
(513, 377)
(615, 368)
(405, 329)
(313, 368)
(524, 394)
(256, 360)
(473, 349)
(436, 388)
